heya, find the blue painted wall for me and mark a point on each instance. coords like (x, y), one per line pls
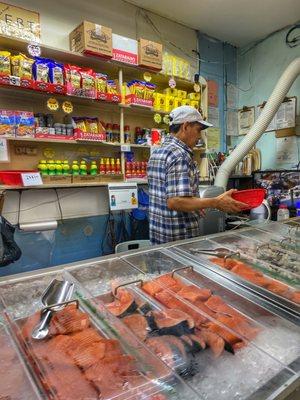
(258, 72)
(218, 63)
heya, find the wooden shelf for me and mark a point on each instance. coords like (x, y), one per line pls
(67, 186)
(109, 67)
(48, 140)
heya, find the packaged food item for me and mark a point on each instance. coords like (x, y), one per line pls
(149, 91)
(73, 76)
(182, 94)
(92, 125)
(87, 79)
(101, 82)
(112, 87)
(171, 92)
(7, 123)
(186, 102)
(5, 63)
(25, 124)
(80, 124)
(169, 103)
(195, 104)
(56, 72)
(22, 66)
(194, 96)
(177, 102)
(41, 69)
(159, 101)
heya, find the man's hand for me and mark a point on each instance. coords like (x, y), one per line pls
(226, 203)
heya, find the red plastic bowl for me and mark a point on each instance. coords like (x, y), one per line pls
(13, 178)
(252, 197)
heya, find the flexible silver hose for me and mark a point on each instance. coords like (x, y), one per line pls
(280, 91)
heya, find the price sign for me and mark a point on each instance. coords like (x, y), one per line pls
(125, 147)
(67, 107)
(31, 179)
(52, 104)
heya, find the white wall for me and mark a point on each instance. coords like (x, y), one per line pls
(58, 19)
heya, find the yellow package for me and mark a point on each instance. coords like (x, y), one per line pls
(91, 125)
(169, 104)
(194, 96)
(182, 94)
(5, 62)
(195, 104)
(101, 82)
(167, 64)
(177, 102)
(171, 92)
(80, 124)
(185, 102)
(22, 66)
(159, 102)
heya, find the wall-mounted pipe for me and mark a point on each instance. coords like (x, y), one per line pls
(38, 226)
(280, 91)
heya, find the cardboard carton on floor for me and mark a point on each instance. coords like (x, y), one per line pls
(19, 22)
(150, 54)
(90, 38)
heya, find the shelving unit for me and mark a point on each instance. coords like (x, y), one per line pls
(12, 97)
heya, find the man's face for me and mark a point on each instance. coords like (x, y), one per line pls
(192, 133)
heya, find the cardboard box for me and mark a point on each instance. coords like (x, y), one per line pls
(125, 50)
(19, 22)
(150, 54)
(90, 38)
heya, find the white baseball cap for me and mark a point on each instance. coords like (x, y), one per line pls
(187, 114)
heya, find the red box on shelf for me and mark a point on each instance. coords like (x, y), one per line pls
(42, 86)
(53, 137)
(13, 178)
(113, 98)
(132, 99)
(79, 135)
(57, 88)
(26, 83)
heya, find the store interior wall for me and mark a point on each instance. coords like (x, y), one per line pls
(218, 62)
(81, 207)
(259, 68)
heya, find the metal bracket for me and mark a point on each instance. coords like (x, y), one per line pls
(126, 284)
(181, 269)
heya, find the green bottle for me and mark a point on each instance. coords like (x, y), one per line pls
(66, 168)
(75, 168)
(43, 167)
(51, 167)
(83, 168)
(94, 168)
(58, 167)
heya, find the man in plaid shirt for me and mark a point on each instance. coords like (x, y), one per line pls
(175, 207)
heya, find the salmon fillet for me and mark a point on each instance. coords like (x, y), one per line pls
(214, 341)
(68, 320)
(193, 293)
(123, 303)
(138, 325)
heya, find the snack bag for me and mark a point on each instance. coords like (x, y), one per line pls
(88, 83)
(73, 76)
(101, 82)
(22, 66)
(80, 124)
(41, 69)
(92, 125)
(112, 87)
(5, 63)
(7, 123)
(149, 91)
(25, 123)
(56, 72)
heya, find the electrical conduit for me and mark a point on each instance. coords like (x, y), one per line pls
(280, 91)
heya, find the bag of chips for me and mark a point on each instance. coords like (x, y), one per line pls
(5, 63)
(22, 66)
(41, 69)
(56, 72)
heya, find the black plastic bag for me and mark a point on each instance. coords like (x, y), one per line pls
(9, 250)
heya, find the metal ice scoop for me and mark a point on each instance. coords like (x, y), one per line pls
(56, 293)
(218, 252)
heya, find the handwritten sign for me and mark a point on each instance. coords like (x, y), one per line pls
(31, 179)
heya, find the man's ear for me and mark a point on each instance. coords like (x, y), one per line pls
(185, 126)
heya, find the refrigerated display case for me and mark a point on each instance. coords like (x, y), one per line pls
(169, 324)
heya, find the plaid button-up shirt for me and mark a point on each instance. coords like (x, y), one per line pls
(172, 172)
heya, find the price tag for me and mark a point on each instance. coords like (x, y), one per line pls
(14, 80)
(31, 179)
(125, 147)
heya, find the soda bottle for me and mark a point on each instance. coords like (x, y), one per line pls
(66, 168)
(118, 166)
(75, 168)
(51, 167)
(43, 167)
(94, 168)
(127, 134)
(109, 133)
(58, 167)
(102, 166)
(112, 166)
(83, 168)
(107, 166)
